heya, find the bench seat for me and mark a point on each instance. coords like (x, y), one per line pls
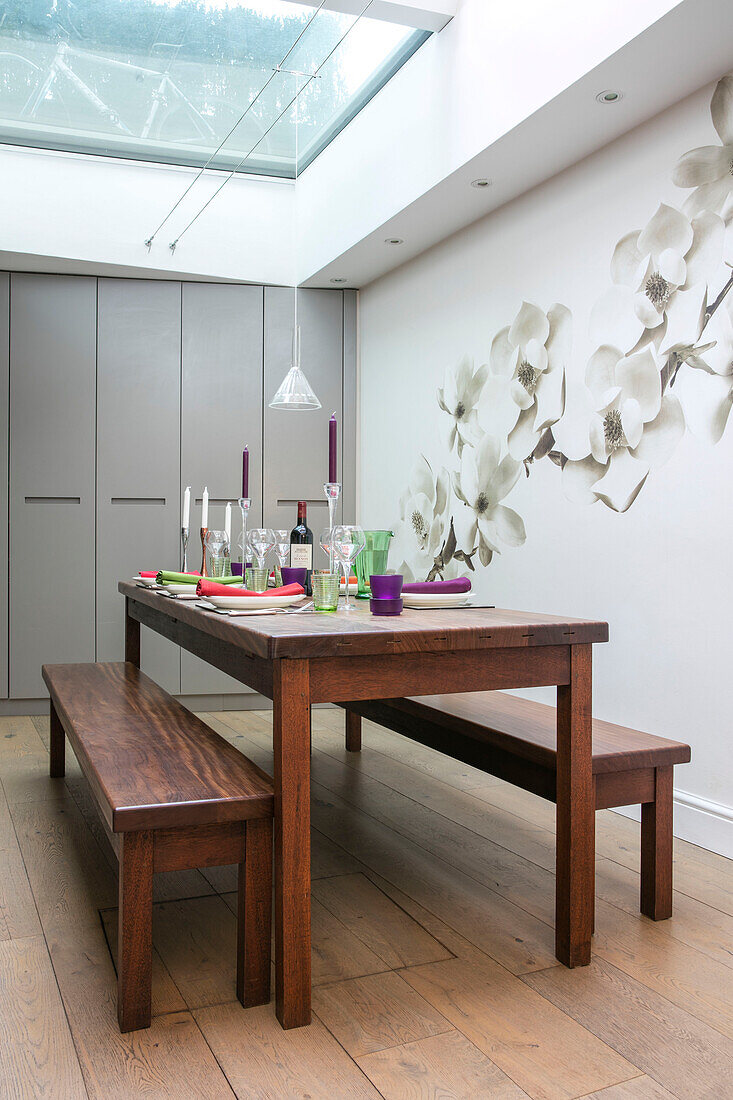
(173, 795)
(515, 739)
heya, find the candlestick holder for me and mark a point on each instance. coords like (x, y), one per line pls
(245, 503)
(184, 549)
(332, 489)
(204, 532)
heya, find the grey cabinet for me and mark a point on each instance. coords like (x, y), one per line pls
(138, 456)
(4, 428)
(296, 444)
(52, 465)
(221, 411)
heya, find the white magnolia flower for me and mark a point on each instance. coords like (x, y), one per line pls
(459, 398)
(534, 351)
(419, 533)
(649, 269)
(481, 485)
(708, 401)
(634, 428)
(709, 169)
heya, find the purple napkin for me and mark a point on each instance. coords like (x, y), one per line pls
(445, 588)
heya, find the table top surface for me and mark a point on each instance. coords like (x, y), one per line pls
(359, 633)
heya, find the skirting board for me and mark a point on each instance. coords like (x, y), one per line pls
(699, 821)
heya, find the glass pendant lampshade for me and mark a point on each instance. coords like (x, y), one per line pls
(295, 392)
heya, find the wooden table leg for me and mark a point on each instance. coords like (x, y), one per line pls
(132, 637)
(575, 854)
(353, 731)
(57, 745)
(291, 743)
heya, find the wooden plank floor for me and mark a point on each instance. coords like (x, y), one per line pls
(433, 966)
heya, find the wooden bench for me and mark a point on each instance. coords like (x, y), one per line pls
(514, 739)
(174, 795)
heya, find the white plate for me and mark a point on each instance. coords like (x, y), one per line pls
(150, 582)
(181, 589)
(251, 603)
(428, 599)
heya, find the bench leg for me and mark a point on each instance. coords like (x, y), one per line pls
(575, 813)
(254, 913)
(135, 931)
(656, 849)
(57, 746)
(353, 731)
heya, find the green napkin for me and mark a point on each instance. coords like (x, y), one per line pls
(165, 577)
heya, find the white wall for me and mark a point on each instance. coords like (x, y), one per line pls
(96, 210)
(661, 572)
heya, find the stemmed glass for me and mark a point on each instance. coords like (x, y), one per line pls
(217, 543)
(282, 549)
(325, 541)
(261, 540)
(347, 541)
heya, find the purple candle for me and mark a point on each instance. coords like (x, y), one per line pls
(245, 472)
(332, 466)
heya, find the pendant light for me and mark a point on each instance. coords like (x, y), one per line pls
(295, 393)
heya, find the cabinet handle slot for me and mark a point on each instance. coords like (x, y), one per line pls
(310, 503)
(218, 500)
(53, 500)
(137, 500)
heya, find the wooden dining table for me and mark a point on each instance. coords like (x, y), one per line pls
(297, 660)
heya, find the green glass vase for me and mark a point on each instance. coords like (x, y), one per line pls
(372, 560)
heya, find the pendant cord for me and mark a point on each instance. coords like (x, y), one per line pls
(236, 168)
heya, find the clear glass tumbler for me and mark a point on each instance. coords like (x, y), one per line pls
(325, 590)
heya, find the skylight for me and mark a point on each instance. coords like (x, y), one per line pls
(170, 80)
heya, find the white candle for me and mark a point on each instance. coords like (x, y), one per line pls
(186, 506)
(205, 508)
(228, 522)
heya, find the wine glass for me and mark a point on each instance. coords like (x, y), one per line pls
(325, 539)
(348, 541)
(282, 549)
(217, 543)
(261, 540)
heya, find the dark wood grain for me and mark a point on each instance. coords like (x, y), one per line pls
(291, 745)
(254, 909)
(361, 633)
(219, 845)
(151, 763)
(575, 814)
(656, 849)
(527, 729)
(135, 931)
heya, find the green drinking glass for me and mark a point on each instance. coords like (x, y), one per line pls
(372, 560)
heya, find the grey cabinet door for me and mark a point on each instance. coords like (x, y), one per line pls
(221, 412)
(138, 456)
(52, 445)
(4, 430)
(296, 443)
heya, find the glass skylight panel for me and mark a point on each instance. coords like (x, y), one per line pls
(167, 80)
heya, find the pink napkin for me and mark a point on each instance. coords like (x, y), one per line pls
(211, 588)
(443, 588)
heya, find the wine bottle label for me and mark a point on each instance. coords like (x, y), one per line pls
(301, 555)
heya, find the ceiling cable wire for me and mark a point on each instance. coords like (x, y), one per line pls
(237, 166)
(225, 139)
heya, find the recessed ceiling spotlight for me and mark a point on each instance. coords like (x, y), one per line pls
(339, 280)
(481, 184)
(609, 96)
(394, 240)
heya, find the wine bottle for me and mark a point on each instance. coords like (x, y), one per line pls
(301, 545)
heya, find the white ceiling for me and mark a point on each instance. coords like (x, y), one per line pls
(687, 48)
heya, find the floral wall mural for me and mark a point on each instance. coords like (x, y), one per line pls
(662, 365)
